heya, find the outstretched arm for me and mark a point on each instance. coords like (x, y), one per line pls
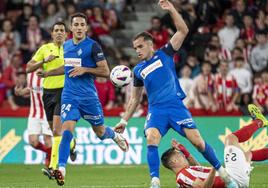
(53, 72)
(182, 29)
(131, 107)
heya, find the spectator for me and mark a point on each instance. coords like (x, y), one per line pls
(259, 54)
(23, 20)
(229, 33)
(193, 63)
(212, 56)
(8, 33)
(186, 82)
(245, 100)
(260, 93)
(247, 32)
(32, 37)
(242, 75)
(226, 89)
(238, 12)
(14, 100)
(160, 34)
(106, 92)
(53, 14)
(201, 94)
(10, 72)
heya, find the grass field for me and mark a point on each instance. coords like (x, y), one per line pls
(29, 176)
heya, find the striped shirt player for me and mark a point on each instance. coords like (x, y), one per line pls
(37, 122)
(187, 176)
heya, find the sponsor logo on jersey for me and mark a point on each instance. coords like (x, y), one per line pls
(72, 62)
(155, 65)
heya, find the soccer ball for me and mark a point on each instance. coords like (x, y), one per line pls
(121, 76)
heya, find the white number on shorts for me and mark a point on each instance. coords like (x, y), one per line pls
(231, 156)
(65, 107)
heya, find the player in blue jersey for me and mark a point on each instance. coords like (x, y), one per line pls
(83, 60)
(156, 72)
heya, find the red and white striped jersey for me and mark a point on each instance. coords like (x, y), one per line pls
(36, 92)
(260, 93)
(187, 176)
(225, 88)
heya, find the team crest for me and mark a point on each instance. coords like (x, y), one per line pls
(79, 52)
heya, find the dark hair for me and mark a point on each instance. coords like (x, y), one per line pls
(205, 63)
(238, 49)
(166, 157)
(58, 23)
(240, 58)
(156, 18)
(79, 15)
(146, 36)
(261, 32)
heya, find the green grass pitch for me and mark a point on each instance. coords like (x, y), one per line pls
(101, 176)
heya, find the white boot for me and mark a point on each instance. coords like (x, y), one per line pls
(155, 183)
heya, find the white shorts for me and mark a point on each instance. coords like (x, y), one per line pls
(38, 127)
(237, 166)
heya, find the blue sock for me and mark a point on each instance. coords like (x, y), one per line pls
(64, 149)
(210, 156)
(109, 133)
(153, 160)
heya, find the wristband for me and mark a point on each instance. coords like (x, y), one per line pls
(184, 150)
(122, 121)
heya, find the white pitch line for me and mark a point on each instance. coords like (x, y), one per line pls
(107, 186)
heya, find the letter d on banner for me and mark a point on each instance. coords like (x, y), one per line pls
(32, 156)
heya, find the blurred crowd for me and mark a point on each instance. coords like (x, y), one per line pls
(222, 65)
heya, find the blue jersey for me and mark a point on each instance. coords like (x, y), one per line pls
(84, 54)
(159, 78)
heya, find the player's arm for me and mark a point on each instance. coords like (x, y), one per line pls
(178, 146)
(20, 91)
(38, 60)
(182, 29)
(101, 69)
(54, 72)
(208, 183)
(131, 107)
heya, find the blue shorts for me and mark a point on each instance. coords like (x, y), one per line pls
(89, 110)
(176, 117)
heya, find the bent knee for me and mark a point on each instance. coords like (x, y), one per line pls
(231, 139)
(199, 144)
(153, 137)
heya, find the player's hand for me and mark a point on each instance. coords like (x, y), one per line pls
(50, 58)
(174, 143)
(18, 90)
(77, 71)
(42, 73)
(120, 127)
(165, 4)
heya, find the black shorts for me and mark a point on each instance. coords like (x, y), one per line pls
(52, 102)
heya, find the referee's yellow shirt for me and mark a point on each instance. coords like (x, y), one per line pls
(51, 82)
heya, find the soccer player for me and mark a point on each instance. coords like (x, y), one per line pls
(156, 72)
(189, 173)
(50, 56)
(84, 60)
(37, 123)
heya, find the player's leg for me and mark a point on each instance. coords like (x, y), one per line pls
(104, 132)
(64, 150)
(181, 121)
(156, 127)
(153, 138)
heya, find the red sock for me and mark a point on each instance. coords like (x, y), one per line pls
(42, 147)
(246, 132)
(260, 155)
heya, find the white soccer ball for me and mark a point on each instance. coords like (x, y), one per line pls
(121, 75)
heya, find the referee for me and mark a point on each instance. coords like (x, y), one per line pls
(50, 56)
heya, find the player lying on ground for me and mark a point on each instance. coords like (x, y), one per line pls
(189, 173)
